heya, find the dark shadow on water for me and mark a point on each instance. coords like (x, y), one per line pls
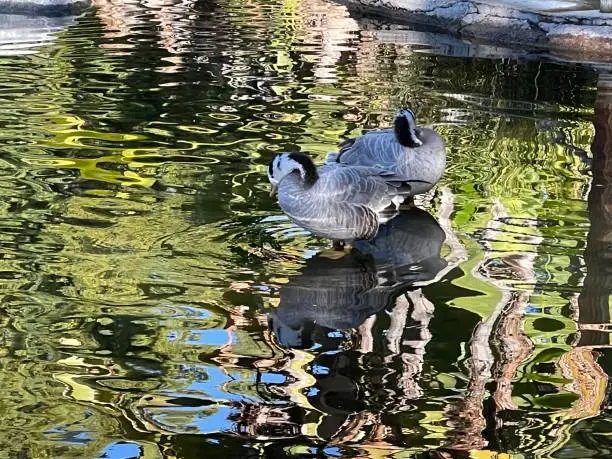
(594, 301)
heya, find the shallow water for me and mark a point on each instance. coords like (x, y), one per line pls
(156, 302)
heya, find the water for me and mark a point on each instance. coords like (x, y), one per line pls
(156, 303)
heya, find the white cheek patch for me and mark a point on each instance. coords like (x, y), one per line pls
(274, 170)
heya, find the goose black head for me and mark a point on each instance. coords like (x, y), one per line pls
(405, 129)
(286, 163)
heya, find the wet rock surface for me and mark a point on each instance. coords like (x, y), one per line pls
(578, 27)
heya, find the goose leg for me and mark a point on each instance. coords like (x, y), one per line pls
(339, 249)
(407, 204)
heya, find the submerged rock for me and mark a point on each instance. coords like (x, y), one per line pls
(43, 7)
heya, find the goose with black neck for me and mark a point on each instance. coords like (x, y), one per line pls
(340, 202)
(415, 154)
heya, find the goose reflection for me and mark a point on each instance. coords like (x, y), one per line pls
(341, 294)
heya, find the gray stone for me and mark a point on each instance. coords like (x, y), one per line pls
(579, 24)
(44, 7)
(450, 44)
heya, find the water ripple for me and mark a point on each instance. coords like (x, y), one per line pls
(155, 301)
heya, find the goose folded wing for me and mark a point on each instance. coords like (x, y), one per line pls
(378, 148)
(355, 184)
(362, 184)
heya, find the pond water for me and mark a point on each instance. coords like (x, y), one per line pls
(155, 302)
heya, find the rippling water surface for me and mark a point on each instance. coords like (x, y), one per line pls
(156, 303)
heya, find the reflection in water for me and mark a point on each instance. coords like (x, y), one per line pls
(329, 297)
(341, 294)
(140, 254)
(20, 34)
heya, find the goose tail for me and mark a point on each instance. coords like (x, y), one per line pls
(332, 157)
(343, 147)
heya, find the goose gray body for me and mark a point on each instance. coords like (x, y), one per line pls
(422, 165)
(343, 203)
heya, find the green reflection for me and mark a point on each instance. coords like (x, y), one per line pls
(140, 253)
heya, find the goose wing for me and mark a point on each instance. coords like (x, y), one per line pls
(345, 203)
(374, 149)
(370, 186)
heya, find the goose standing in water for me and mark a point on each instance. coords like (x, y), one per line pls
(335, 201)
(414, 154)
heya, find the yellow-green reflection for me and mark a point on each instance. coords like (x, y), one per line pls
(141, 258)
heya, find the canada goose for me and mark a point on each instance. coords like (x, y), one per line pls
(414, 154)
(343, 203)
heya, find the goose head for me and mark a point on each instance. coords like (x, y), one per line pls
(284, 164)
(404, 125)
